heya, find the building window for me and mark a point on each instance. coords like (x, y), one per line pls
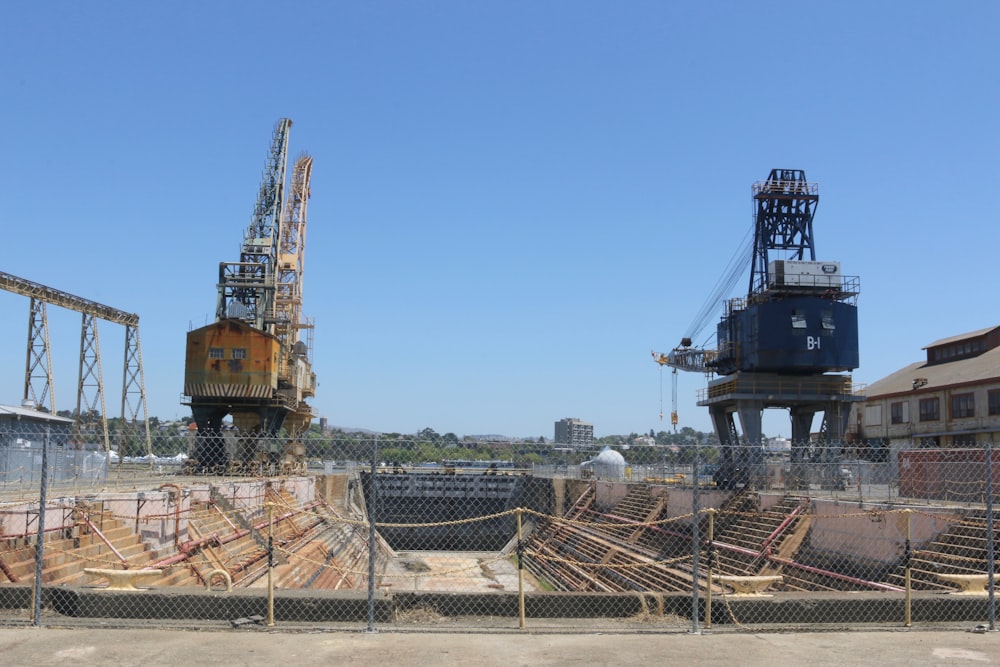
(216, 353)
(963, 405)
(993, 401)
(239, 353)
(930, 409)
(873, 415)
(898, 413)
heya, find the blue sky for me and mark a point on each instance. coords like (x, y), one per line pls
(512, 202)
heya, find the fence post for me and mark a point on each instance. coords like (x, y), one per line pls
(907, 555)
(695, 542)
(990, 565)
(711, 556)
(36, 608)
(520, 572)
(372, 506)
(861, 494)
(270, 565)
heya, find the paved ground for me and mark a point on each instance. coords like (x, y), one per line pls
(40, 647)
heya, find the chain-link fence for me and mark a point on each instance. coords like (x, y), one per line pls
(383, 532)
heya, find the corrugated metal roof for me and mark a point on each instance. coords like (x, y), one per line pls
(29, 413)
(982, 368)
(971, 334)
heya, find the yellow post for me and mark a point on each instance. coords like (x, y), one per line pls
(270, 565)
(711, 556)
(520, 572)
(907, 553)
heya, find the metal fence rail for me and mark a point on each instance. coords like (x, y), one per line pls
(392, 532)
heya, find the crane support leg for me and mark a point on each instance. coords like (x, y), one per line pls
(748, 394)
(802, 419)
(210, 453)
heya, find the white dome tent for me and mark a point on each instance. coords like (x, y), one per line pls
(609, 464)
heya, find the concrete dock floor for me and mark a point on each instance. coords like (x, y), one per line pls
(452, 571)
(150, 647)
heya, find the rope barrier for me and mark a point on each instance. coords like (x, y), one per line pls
(192, 511)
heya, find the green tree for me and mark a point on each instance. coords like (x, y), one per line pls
(428, 434)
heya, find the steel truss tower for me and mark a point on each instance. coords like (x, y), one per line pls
(39, 385)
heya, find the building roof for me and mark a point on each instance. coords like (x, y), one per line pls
(981, 368)
(952, 339)
(31, 413)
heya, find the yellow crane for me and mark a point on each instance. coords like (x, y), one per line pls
(252, 363)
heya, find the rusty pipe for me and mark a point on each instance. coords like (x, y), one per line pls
(187, 549)
(97, 531)
(781, 528)
(7, 572)
(835, 575)
(808, 568)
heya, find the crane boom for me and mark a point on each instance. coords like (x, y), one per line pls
(247, 287)
(685, 358)
(296, 369)
(291, 256)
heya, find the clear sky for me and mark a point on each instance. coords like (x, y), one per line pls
(513, 202)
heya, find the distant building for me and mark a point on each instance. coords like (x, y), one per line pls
(778, 445)
(25, 430)
(949, 400)
(570, 431)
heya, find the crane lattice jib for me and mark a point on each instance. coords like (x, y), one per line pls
(693, 359)
(246, 288)
(291, 256)
(783, 220)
